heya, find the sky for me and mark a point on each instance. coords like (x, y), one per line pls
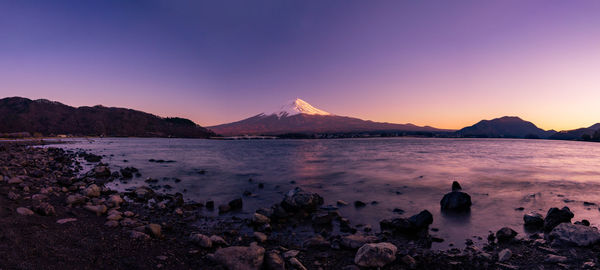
(446, 64)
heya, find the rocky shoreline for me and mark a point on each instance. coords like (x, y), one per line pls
(55, 216)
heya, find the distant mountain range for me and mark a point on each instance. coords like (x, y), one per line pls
(23, 117)
(298, 116)
(515, 127)
(591, 133)
(47, 118)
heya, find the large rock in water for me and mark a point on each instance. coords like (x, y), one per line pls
(572, 234)
(456, 200)
(375, 255)
(241, 258)
(412, 225)
(557, 216)
(298, 199)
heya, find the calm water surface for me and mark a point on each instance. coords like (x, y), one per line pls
(407, 173)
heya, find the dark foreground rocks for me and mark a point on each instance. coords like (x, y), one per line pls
(415, 226)
(55, 217)
(375, 255)
(556, 216)
(240, 257)
(573, 234)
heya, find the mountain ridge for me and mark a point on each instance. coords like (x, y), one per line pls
(586, 133)
(45, 117)
(505, 127)
(301, 117)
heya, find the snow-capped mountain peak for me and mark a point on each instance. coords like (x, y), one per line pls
(298, 106)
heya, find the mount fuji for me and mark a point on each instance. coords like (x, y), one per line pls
(298, 116)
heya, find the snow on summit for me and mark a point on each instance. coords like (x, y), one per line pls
(298, 106)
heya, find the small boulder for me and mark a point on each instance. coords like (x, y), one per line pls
(39, 197)
(114, 216)
(273, 260)
(128, 172)
(236, 204)
(583, 222)
(422, 220)
(551, 258)
(533, 220)
(201, 240)
(24, 211)
(76, 199)
(218, 241)
(45, 209)
(91, 157)
(92, 191)
(410, 261)
(359, 204)
(240, 257)
(355, 241)
(505, 234)
(414, 224)
(224, 208)
(375, 255)
(138, 235)
(129, 222)
(15, 180)
(291, 253)
(574, 235)
(296, 264)
(112, 224)
(504, 255)
(154, 230)
(324, 218)
(143, 193)
(13, 196)
(260, 237)
(66, 220)
(300, 200)
(341, 203)
(115, 200)
(316, 242)
(102, 172)
(589, 265)
(98, 209)
(260, 219)
(556, 216)
(210, 205)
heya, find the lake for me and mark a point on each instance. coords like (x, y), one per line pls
(412, 174)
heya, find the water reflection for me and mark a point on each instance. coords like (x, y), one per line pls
(458, 218)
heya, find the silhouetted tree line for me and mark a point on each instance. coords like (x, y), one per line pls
(592, 138)
(21, 115)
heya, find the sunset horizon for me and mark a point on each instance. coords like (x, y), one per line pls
(435, 63)
(461, 124)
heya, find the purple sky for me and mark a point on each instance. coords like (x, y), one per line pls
(442, 63)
